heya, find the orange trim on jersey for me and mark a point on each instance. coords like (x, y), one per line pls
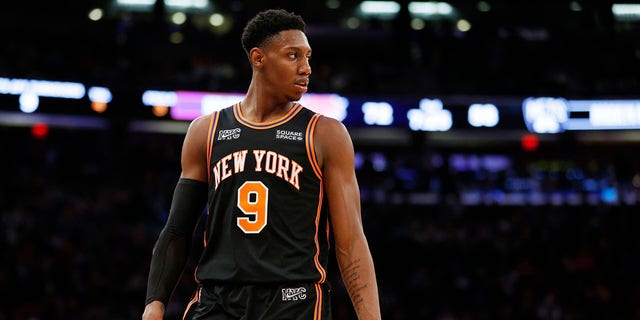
(317, 312)
(265, 125)
(195, 275)
(311, 150)
(311, 154)
(316, 260)
(213, 124)
(195, 298)
(211, 134)
(204, 237)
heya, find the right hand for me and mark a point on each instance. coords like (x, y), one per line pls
(153, 311)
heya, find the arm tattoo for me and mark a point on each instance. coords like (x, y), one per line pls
(354, 283)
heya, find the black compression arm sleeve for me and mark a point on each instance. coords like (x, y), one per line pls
(173, 246)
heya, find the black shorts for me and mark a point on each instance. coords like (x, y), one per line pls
(299, 301)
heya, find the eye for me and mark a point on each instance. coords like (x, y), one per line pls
(292, 55)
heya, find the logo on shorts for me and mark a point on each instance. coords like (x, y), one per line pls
(229, 134)
(293, 294)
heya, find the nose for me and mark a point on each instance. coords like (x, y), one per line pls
(305, 67)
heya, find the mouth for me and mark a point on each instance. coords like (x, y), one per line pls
(302, 84)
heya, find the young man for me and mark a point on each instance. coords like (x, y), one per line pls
(277, 178)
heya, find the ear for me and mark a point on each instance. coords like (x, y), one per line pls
(257, 57)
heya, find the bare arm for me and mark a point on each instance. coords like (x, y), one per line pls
(194, 150)
(335, 151)
(171, 250)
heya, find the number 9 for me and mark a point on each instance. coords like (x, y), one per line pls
(255, 208)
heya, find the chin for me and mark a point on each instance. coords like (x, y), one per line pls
(294, 97)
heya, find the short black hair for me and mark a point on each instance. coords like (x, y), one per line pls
(268, 23)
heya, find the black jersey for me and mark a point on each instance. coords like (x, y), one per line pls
(267, 213)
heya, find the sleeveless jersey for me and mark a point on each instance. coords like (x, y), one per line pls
(267, 218)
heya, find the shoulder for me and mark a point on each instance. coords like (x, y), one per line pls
(327, 126)
(194, 148)
(198, 130)
(200, 123)
(331, 139)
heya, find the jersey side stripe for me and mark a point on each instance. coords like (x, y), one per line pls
(213, 124)
(195, 275)
(317, 313)
(323, 273)
(311, 154)
(311, 150)
(193, 300)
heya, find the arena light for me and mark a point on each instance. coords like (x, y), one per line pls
(332, 4)
(545, 114)
(431, 9)
(553, 115)
(430, 116)
(463, 25)
(136, 2)
(178, 18)
(210, 102)
(328, 104)
(483, 115)
(607, 114)
(95, 14)
(575, 6)
(377, 113)
(483, 6)
(192, 104)
(135, 5)
(99, 94)
(153, 98)
(378, 9)
(196, 4)
(42, 88)
(29, 102)
(417, 24)
(99, 97)
(216, 19)
(30, 91)
(193, 6)
(626, 11)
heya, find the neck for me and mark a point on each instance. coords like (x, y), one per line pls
(258, 106)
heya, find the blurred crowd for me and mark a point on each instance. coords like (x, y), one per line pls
(510, 50)
(80, 211)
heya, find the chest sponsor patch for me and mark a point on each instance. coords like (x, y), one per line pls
(289, 135)
(229, 134)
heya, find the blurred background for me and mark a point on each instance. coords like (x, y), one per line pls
(497, 146)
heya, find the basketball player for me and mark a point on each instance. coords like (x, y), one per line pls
(276, 179)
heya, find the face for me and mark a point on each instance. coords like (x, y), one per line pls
(286, 68)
